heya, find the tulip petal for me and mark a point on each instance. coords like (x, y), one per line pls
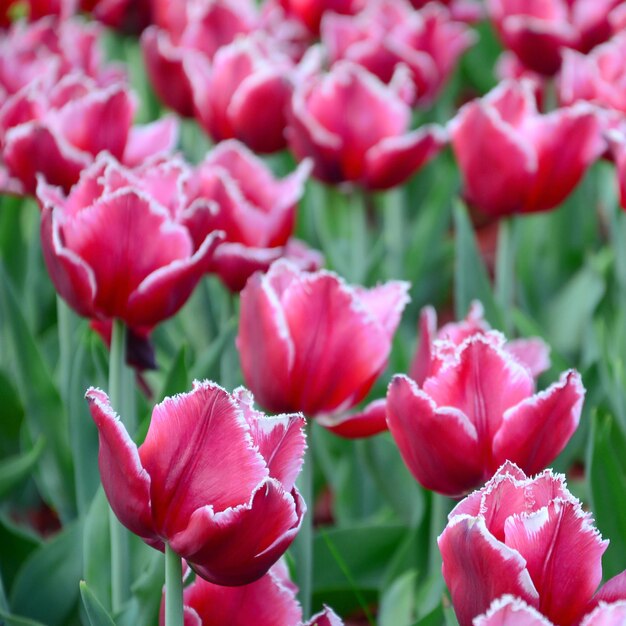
(607, 615)
(187, 434)
(613, 590)
(395, 159)
(439, 445)
(534, 353)
(150, 141)
(478, 568)
(327, 617)
(237, 546)
(372, 420)
(264, 337)
(420, 365)
(163, 293)
(563, 552)
(386, 303)
(125, 481)
(280, 439)
(510, 611)
(534, 432)
(73, 278)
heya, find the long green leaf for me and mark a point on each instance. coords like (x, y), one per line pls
(17, 468)
(96, 613)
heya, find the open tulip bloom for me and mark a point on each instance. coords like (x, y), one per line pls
(478, 410)
(531, 539)
(214, 479)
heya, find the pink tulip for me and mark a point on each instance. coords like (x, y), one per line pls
(214, 479)
(234, 191)
(186, 35)
(547, 155)
(390, 33)
(129, 16)
(311, 343)
(89, 241)
(57, 130)
(456, 429)
(310, 12)
(462, 10)
(530, 538)
(534, 353)
(356, 129)
(537, 32)
(510, 611)
(245, 92)
(617, 142)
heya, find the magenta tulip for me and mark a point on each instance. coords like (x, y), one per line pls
(530, 538)
(89, 241)
(308, 342)
(310, 12)
(356, 129)
(233, 190)
(538, 32)
(214, 479)
(547, 155)
(391, 33)
(456, 429)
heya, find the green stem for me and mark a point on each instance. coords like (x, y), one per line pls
(394, 232)
(173, 588)
(120, 579)
(440, 505)
(303, 544)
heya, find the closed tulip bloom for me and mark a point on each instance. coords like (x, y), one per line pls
(91, 238)
(310, 12)
(191, 33)
(538, 32)
(214, 479)
(308, 342)
(390, 33)
(547, 155)
(356, 128)
(533, 352)
(478, 410)
(528, 538)
(511, 611)
(233, 190)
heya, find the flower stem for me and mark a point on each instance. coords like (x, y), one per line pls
(505, 270)
(120, 579)
(303, 543)
(173, 588)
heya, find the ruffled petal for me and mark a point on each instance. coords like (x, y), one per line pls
(511, 611)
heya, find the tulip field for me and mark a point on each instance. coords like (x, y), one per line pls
(313, 313)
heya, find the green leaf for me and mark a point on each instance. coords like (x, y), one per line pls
(97, 548)
(17, 468)
(46, 587)
(471, 280)
(397, 604)
(607, 486)
(17, 545)
(15, 620)
(96, 613)
(177, 380)
(45, 415)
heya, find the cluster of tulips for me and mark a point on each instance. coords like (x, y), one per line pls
(327, 92)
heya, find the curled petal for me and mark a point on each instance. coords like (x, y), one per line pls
(426, 435)
(386, 303)
(534, 432)
(420, 366)
(151, 140)
(372, 420)
(607, 615)
(187, 434)
(510, 611)
(534, 353)
(613, 590)
(327, 617)
(478, 568)
(237, 546)
(563, 552)
(125, 481)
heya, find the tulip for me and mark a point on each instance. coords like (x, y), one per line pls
(311, 343)
(214, 480)
(390, 33)
(356, 129)
(510, 611)
(58, 129)
(191, 35)
(478, 410)
(546, 155)
(129, 16)
(233, 190)
(462, 10)
(538, 32)
(89, 241)
(597, 77)
(533, 352)
(530, 538)
(244, 94)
